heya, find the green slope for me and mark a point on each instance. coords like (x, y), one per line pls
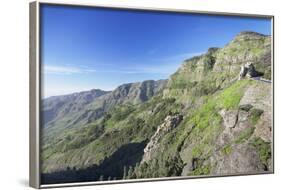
(223, 121)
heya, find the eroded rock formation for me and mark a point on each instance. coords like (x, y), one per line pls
(248, 70)
(169, 124)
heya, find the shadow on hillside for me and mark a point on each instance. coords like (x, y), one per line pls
(111, 168)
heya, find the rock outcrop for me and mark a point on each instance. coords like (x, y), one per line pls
(235, 150)
(224, 125)
(229, 117)
(169, 124)
(248, 70)
(241, 159)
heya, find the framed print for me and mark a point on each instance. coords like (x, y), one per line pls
(127, 94)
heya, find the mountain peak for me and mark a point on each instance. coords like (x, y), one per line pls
(213, 50)
(249, 35)
(243, 33)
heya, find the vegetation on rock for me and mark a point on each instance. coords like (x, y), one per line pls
(102, 135)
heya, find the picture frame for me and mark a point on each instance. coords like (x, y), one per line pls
(37, 90)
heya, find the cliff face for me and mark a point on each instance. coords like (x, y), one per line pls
(220, 66)
(241, 144)
(221, 132)
(202, 121)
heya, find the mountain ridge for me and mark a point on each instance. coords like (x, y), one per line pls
(78, 110)
(219, 119)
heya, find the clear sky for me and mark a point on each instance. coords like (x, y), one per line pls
(85, 48)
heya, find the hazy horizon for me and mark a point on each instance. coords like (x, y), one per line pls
(94, 48)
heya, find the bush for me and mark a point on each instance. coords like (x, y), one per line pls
(204, 170)
(209, 61)
(245, 135)
(263, 148)
(121, 112)
(255, 115)
(163, 166)
(226, 150)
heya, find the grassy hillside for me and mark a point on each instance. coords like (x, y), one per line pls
(202, 122)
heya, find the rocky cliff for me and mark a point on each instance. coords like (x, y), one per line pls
(202, 121)
(169, 124)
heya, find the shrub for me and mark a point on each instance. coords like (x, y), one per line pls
(226, 150)
(255, 115)
(245, 135)
(263, 148)
(203, 170)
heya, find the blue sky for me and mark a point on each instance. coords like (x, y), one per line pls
(85, 48)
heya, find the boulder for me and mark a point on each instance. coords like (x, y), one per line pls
(229, 117)
(241, 159)
(248, 70)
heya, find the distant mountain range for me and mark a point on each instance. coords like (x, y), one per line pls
(200, 121)
(85, 107)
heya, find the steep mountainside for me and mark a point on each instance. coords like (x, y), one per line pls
(76, 110)
(203, 121)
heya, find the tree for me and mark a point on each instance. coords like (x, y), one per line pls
(124, 172)
(130, 172)
(101, 178)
